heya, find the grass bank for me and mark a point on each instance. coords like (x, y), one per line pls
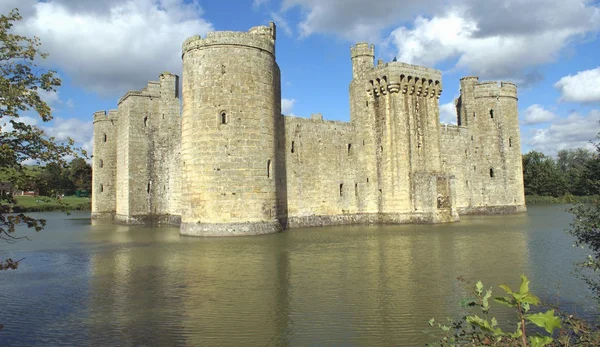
(565, 199)
(42, 204)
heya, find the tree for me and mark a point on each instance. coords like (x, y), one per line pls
(80, 174)
(586, 224)
(573, 164)
(541, 175)
(21, 81)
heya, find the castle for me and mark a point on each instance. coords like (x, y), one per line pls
(225, 161)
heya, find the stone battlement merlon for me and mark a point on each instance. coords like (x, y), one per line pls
(261, 37)
(103, 116)
(495, 89)
(362, 49)
(151, 90)
(315, 118)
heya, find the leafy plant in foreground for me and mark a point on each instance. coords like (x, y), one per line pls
(549, 328)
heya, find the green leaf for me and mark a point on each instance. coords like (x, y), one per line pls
(479, 287)
(539, 341)
(524, 285)
(484, 325)
(505, 301)
(506, 288)
(545, 320)
(431, 322)
(518, 333)
(530, 299)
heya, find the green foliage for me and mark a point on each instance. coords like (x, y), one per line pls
(571, 178)
(21, 80)
(585, 227)
(550, 327)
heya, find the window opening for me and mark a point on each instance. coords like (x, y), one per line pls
(146, 122)
(510, 142)
(349, 148)
(292, 146)
(341, 189)
(148, 188)
(101, 163)
(269, 168)
(104, 137)
(356, 189)
(101, 188)
(492, 114)
(492, 172)
(223, 118)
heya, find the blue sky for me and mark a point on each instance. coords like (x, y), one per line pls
(549, 48)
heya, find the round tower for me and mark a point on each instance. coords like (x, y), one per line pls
(363, 58)
(230, 122)
(511, 142)
(104, 164)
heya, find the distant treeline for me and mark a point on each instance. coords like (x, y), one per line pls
(573, 176)
(53, 179)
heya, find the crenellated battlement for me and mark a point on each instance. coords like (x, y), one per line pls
(362, 49)
(103, 116)
(151, 90)
(494, 89)
(259, 37)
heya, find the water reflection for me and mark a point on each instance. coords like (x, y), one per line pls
(375, 285)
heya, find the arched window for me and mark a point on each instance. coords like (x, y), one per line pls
(101, 163)
(269, 168)
(223, 118)
(104, 138)
(492, 114)
(492, 172)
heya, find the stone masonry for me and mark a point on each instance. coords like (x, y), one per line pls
(219, 158)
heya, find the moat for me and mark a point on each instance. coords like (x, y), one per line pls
(104, 284)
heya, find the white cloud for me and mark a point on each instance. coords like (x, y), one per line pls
(355, 20)
(259, 3)
(536, 114)
(448, 113)
(455, 35)
(287, 105)
(80, 131)
(575, 131)
(113, 46)
(494, 39)
(282, 23)
(582, 87)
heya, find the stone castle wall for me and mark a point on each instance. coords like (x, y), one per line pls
(231, 164)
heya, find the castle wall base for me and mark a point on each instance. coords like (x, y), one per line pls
(230, 229)
(441, 216)
(489, 210)
(153, 219)
(103, 215)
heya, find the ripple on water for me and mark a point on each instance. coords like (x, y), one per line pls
(107, 285)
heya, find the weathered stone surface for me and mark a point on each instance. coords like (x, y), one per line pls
(230, 164)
